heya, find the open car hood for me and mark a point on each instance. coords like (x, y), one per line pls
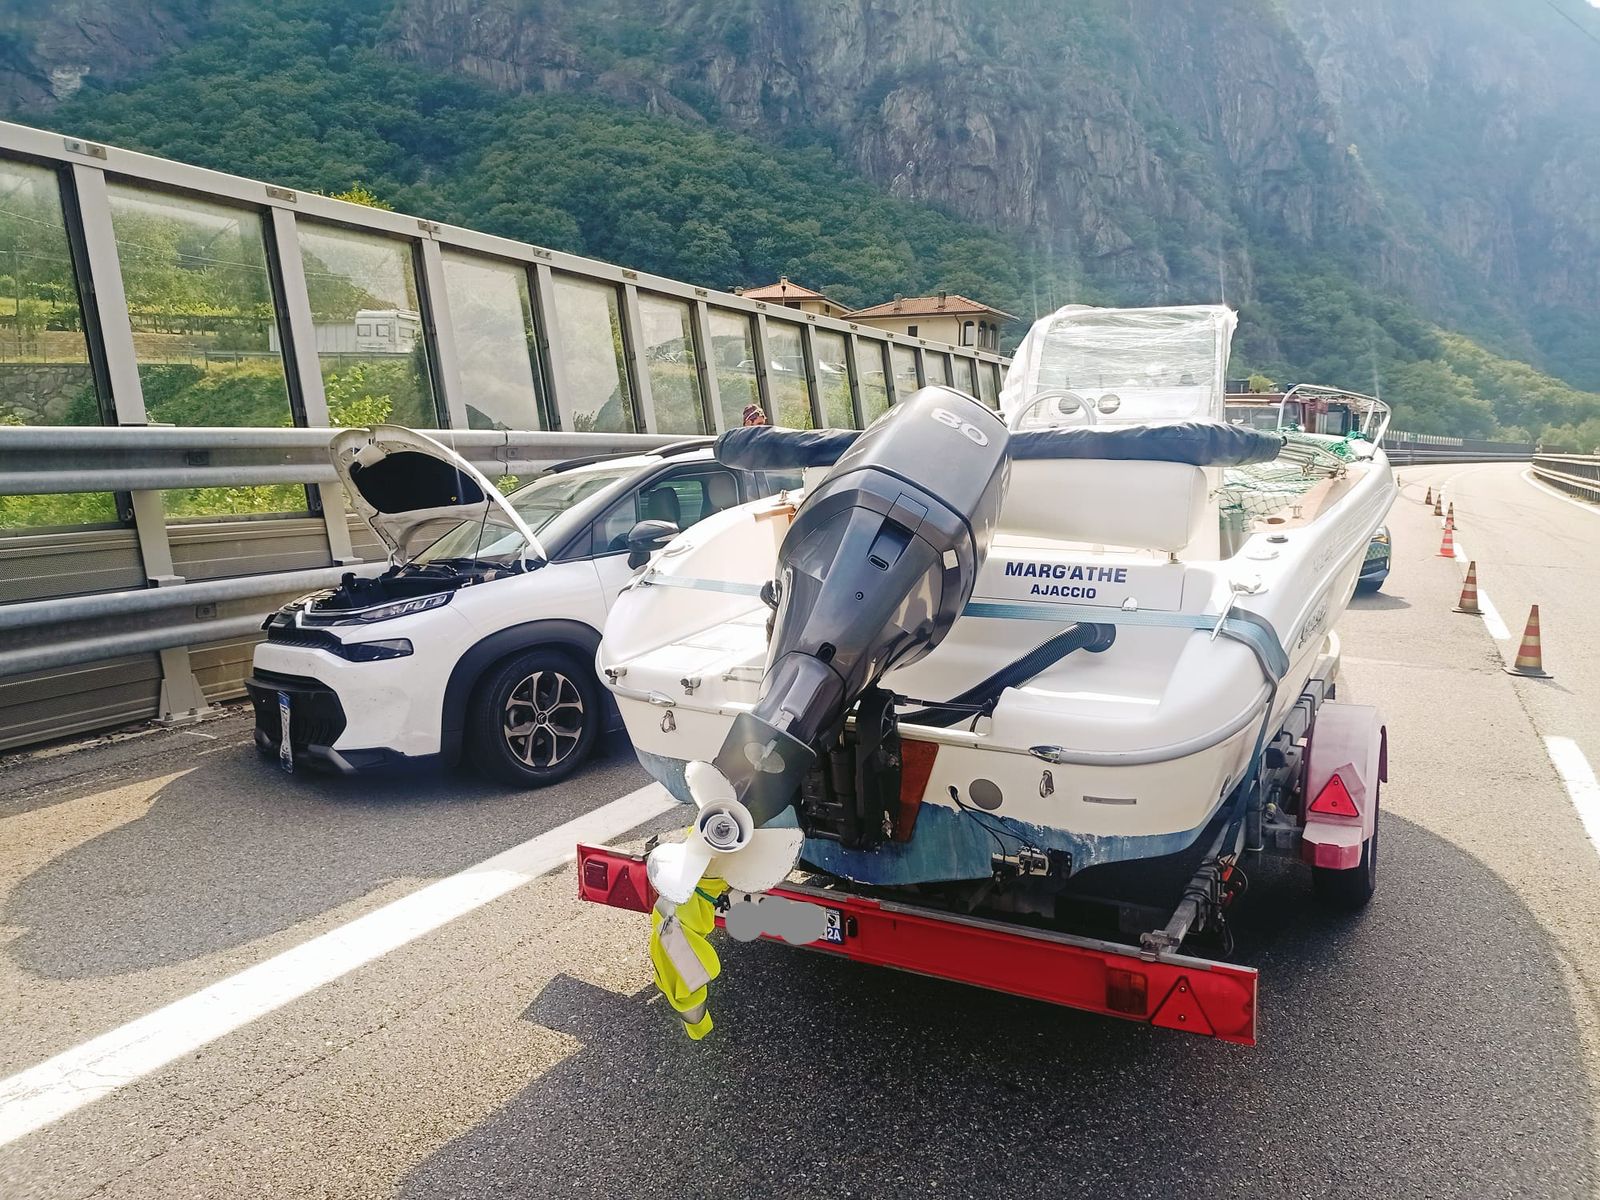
(411, 489)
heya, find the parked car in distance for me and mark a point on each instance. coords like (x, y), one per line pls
(477, 643)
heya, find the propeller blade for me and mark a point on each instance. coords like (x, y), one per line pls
(707, 785)
(675, 868)
(763, 864)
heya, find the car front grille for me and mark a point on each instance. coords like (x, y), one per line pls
(316, 718)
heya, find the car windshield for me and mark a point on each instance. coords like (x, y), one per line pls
(538, 503)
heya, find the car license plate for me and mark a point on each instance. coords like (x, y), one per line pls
(835, 930)
(285, 746)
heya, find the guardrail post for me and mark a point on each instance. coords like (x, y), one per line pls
(710, 391)
(638, 370)
(808, 355)
(548, 334)
(851, 347)
(182, 698)
(436, 321)
(758, 351)
(300, 350)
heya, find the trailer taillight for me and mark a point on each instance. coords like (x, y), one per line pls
(1334, 799)
(617, 880)
(1127, 992)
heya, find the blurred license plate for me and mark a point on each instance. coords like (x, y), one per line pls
(835, 931)
(285, 746)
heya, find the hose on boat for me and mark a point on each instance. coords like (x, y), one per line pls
(979, 699)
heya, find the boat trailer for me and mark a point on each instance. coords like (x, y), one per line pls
(1314, 796)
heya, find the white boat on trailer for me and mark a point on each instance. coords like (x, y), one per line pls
(981, 659)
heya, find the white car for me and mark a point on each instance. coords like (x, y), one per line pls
(477, 644)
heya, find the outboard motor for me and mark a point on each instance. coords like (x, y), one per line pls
(879, 562)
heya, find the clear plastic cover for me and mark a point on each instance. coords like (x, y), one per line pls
(1120, 366)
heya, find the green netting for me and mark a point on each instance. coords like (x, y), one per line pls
(1262, 489)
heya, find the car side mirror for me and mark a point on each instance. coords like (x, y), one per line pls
(645, 538)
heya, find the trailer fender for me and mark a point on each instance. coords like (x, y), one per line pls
(1348, 757)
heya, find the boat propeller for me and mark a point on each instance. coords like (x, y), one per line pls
(723, 842)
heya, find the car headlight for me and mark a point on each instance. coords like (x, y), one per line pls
(373, 651)
(402, 608)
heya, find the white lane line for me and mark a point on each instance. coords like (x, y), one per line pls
(34, 1098)
(1582, 786)
(1491, 618)
(1529, 477)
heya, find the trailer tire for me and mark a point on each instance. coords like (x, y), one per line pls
(1353, 887)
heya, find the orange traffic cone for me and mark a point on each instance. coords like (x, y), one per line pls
(1447, 548)
(1469, 594)
(1428, 499)
(1451, 515)
(1530, 660)
(1438, 505)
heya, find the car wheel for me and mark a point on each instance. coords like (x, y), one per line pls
(534, 719)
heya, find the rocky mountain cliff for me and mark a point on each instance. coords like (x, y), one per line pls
(1135, 139)
(1156, 149)
(1480, 120)
(1447, 150)
(49, 47)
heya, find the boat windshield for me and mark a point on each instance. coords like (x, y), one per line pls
(1120, 366)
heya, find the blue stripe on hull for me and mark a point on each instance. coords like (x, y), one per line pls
(949, 844)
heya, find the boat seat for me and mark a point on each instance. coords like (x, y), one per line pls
(1108, 502)
(1143, 487)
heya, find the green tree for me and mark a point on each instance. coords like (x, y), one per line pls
(360, 193)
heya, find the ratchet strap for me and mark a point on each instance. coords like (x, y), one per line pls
(1242, 626)
(657, 579)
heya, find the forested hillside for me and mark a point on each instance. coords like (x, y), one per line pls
(689, 139)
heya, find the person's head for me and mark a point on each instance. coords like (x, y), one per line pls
(753, 415)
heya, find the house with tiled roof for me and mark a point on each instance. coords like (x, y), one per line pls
(790, 294)
(947, 317)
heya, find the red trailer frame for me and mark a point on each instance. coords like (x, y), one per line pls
(1168, 990)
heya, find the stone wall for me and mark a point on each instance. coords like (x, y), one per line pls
(41, 393)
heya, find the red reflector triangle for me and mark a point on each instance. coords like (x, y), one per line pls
(1334, 799)
(1181, 1010)
(625, 895)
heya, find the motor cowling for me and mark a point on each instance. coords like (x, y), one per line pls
(876, 567)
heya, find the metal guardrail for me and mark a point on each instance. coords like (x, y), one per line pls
(1412, 456)
(46, 460)
(1575, 473)
(56, 638)
(1410, 449)
(57, 633)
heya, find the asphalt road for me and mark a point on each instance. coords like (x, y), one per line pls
(1444, 1043)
